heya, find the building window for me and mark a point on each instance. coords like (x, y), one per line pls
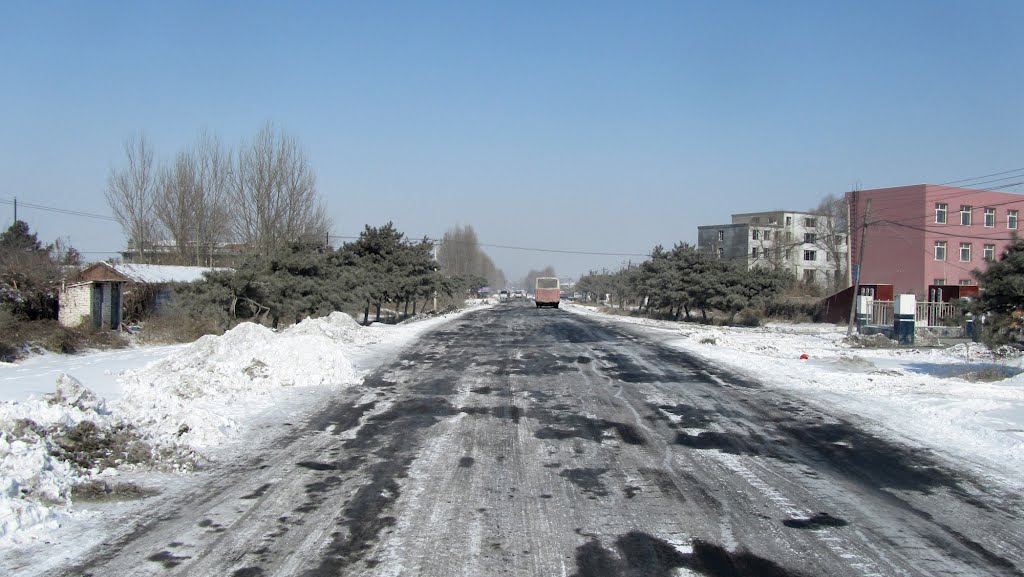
(789, 254)
(755, 234)
(755, 219)
(828, 257)
(789, 221)
(809, 275)
(990, 252)
(990, 217)
(966, 282)
(965, 252)
(1011, 219)
(965, 214)
(939, 281)
(767, 235)
(773, 220)
(940, 212)
(789, 235)
(721, 252)
(810, 222)
(940, 250)
(721, 236)
(753, 252)
(809, 237)
(810, 255)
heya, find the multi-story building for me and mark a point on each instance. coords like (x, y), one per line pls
(927, 234)
(805, 244)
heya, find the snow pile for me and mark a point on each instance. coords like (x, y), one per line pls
(169, 413)
(37, 454)
(188, 395)
(338, 327)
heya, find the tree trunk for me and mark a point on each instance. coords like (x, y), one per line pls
(413, 306)
(366, 314)
(378, 312)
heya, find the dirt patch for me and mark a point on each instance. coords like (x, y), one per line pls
(588, 480)
(99, 491)
(640, 554)
(816, 522)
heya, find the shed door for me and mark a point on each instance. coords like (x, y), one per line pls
(115, 305)
(97, 306)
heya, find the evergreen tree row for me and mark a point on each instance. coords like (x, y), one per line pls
(682, 280)
(380, 267)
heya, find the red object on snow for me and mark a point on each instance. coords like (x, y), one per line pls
(804, 356)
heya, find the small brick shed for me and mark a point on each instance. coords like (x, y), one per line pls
(94, 298)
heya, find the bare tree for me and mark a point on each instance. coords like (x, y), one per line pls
(191, 202)
(273, 193)
(531, 277)
(130, 194)
(458, 253)
(831, 236)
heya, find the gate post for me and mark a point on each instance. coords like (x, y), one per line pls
(904, 310)
(864, 306)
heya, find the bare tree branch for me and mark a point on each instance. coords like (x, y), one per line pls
(130, 194)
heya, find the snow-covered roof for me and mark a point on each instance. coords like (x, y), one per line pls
(159, 273)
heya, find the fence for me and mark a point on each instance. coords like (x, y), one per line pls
(932, 314)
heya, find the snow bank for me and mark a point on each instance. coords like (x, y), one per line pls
(169, 413)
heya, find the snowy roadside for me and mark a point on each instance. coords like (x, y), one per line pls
(923, 395)
(164, 409)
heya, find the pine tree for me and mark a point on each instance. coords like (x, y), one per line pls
(1002, 294)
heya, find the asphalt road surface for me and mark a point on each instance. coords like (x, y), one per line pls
(524, 441)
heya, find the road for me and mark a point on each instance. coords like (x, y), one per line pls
(523, 441)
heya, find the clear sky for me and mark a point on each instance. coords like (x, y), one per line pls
(580, 126)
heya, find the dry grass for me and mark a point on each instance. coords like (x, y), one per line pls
(173, 327)
(18, 338)
(986, 374)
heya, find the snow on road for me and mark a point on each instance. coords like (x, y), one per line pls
(923, 395)
(68, 419)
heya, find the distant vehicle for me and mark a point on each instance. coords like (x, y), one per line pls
(518, 294)
(547, 293)
(503, 295)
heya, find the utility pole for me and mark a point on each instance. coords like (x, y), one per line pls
(860, 262)
(15, 210)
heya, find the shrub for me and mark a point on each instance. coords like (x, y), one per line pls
(750, 317)
(795, 309)
(176, 326)
(62, 340)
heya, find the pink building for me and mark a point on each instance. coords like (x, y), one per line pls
(928, 234)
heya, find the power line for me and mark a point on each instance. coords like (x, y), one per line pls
(61, 210)
(524, 248)
(942, 232)
(992, 205)
(984, 176)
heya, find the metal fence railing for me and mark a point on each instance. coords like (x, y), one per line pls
(930, 314)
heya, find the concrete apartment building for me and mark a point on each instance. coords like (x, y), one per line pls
(802, 243)
(927, 234)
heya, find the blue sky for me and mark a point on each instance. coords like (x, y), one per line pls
(581, 126)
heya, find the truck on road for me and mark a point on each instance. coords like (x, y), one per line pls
(547, 293)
